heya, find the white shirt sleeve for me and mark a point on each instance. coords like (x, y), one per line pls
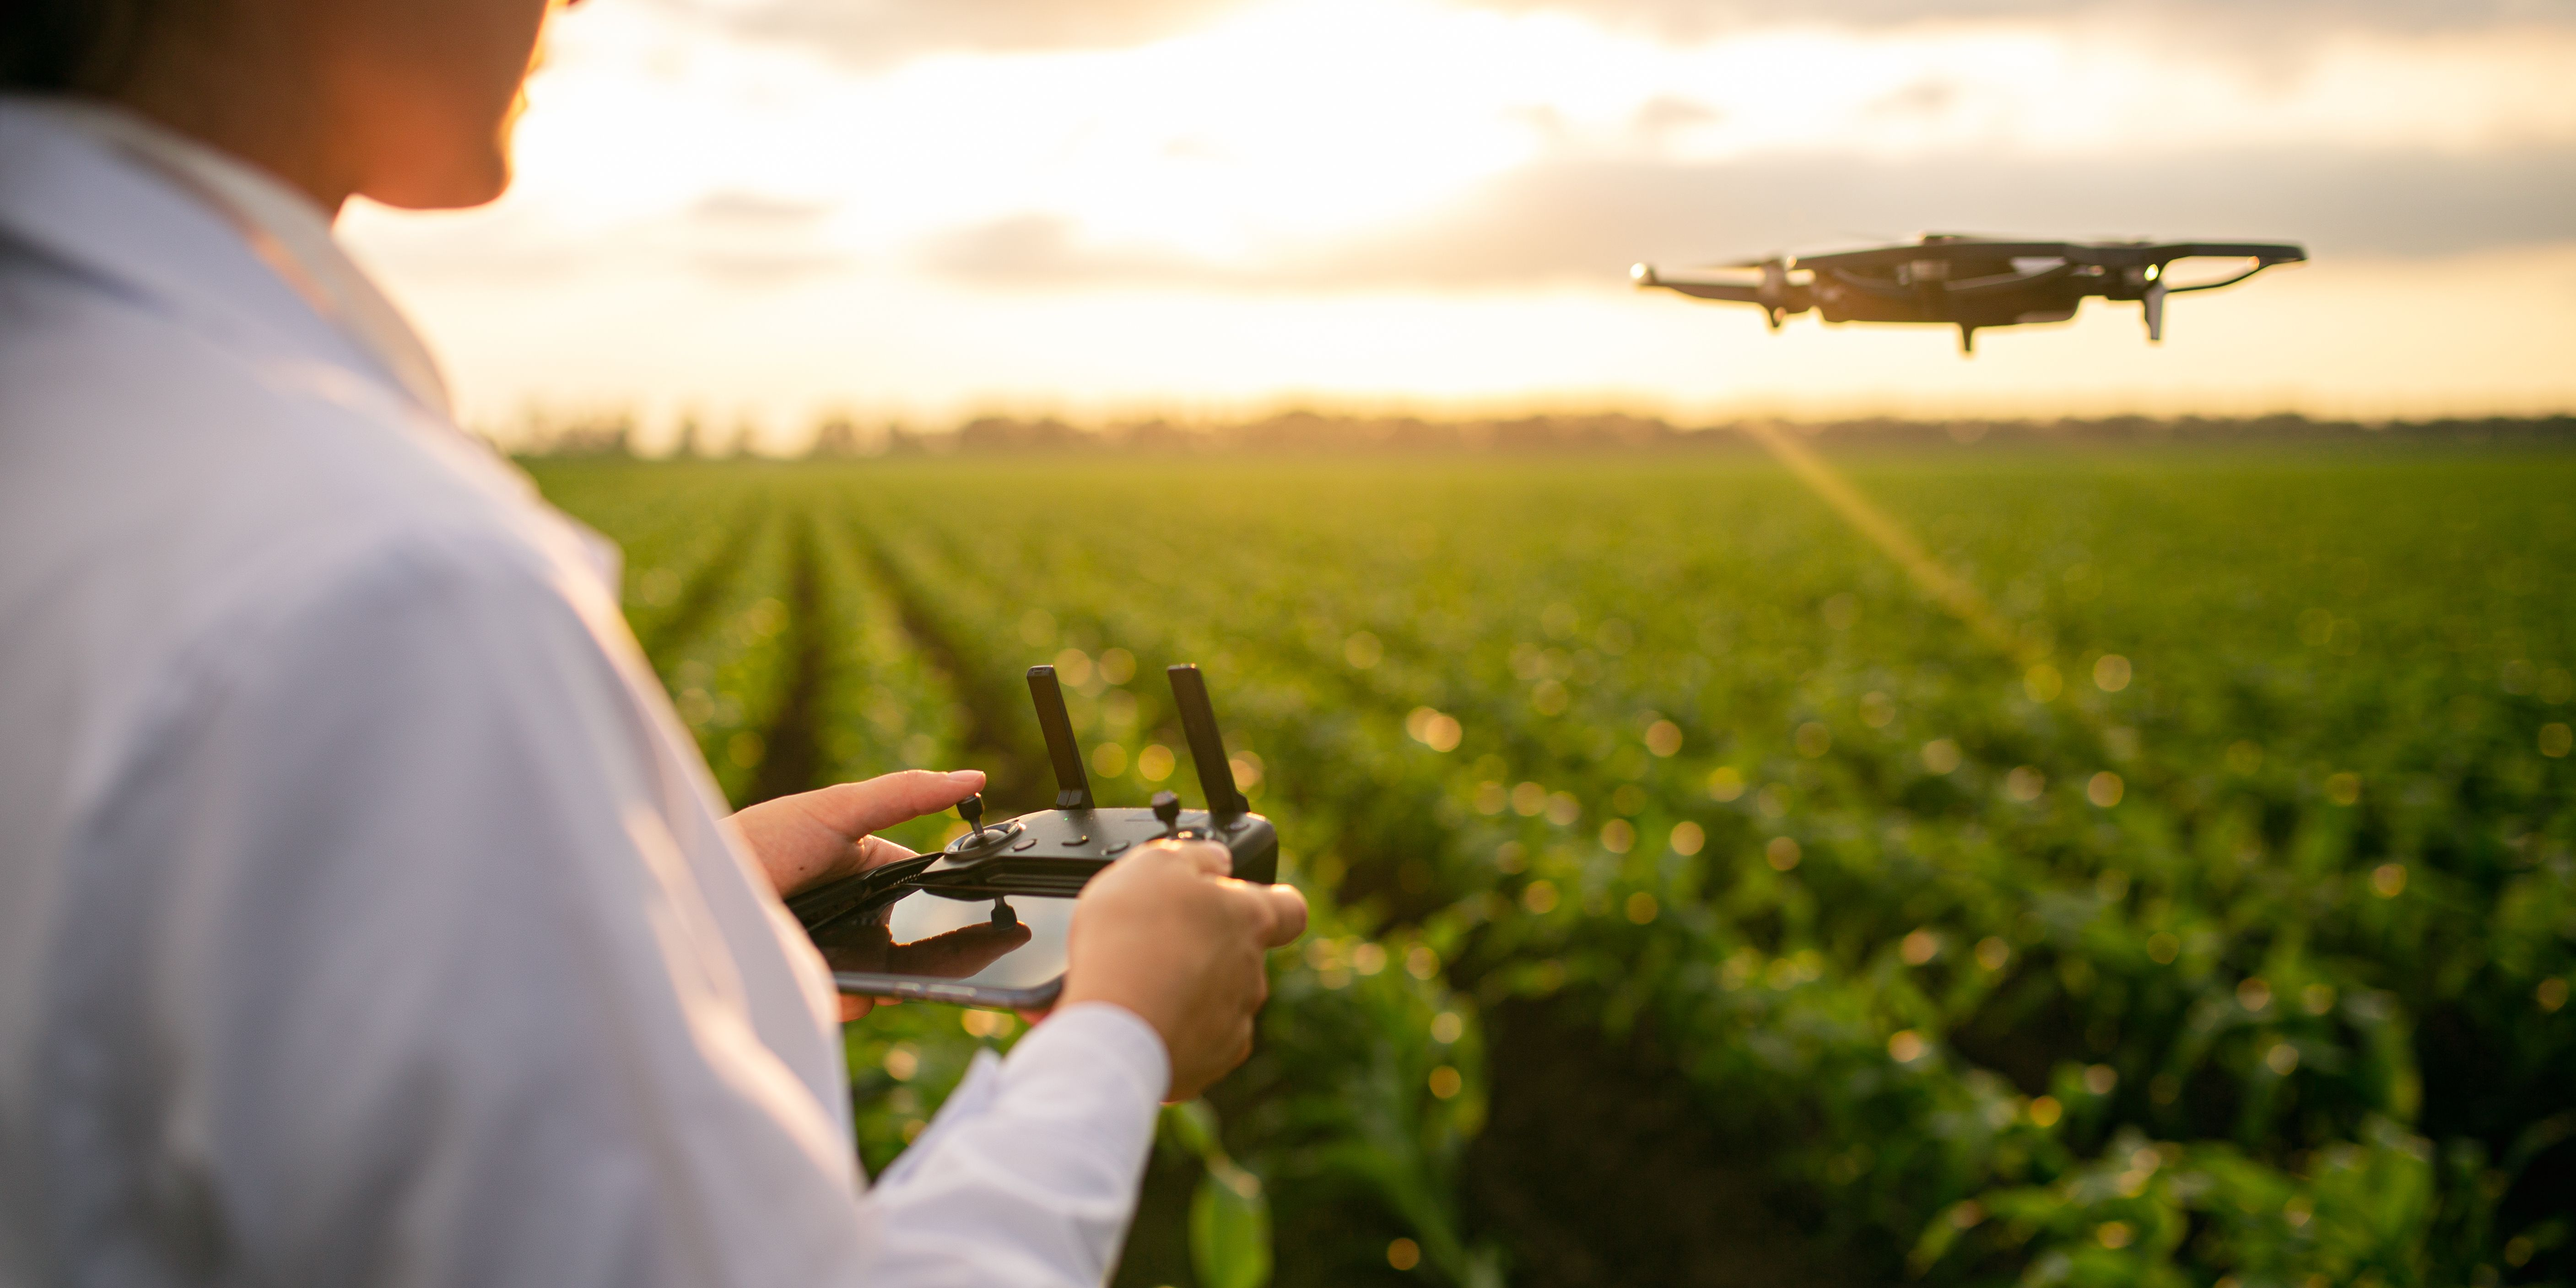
(1029, 1172)
(402, 967)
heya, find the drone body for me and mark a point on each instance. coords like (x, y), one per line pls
(1972, 282)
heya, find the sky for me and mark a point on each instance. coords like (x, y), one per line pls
(756, 213)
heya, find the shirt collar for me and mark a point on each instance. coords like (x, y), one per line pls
(283, 227)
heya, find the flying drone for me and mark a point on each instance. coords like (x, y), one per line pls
(1972, 282)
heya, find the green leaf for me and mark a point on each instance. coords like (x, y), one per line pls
(1194, 1125)
(1230, 1229)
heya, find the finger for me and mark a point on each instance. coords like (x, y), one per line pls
(1288, 913)
(856, 809)
(1259, 913)
(876, 851)
(855, 1007)
(1205, 857)
(958, 953)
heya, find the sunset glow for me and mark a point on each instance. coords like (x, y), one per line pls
(738, 209)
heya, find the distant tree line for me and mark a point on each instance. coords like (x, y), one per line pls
(840, 437)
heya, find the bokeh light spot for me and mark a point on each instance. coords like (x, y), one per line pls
(2111, 673)
(1920, 947)
(1539, 897)
(1404, 1254)
(2388, 880)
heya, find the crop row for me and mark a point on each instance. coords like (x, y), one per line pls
(2058, 891)
(2190, 900)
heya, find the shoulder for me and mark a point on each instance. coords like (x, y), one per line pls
(178, 467)
(111, 399)
(170, 504)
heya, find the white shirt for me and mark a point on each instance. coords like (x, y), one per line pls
(366, 916)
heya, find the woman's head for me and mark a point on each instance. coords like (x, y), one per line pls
(408, 102)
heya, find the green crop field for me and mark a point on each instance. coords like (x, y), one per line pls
(2114, 867)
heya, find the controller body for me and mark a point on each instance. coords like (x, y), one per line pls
(1044, 854)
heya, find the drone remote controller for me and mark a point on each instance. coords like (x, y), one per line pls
(1050, 853)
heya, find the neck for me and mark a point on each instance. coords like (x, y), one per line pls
(247, 92)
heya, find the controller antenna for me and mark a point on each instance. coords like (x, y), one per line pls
(1072, 786)
(1207, 746)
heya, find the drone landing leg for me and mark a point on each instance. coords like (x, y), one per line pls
(1967, 342)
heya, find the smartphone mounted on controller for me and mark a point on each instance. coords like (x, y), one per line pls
(982, 922)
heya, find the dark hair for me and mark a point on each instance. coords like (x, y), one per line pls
(64, 46)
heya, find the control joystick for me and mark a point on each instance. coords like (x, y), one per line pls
(979, 839)
(1167, 811)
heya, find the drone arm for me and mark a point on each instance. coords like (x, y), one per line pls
(2269, 253)
(2157, 289)
(1711, 290)
(2211, 286)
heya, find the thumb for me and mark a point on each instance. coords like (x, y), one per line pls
(1287, 912)
(856, 809)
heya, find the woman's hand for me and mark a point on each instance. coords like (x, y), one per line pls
(1168, 933)
(812, 837)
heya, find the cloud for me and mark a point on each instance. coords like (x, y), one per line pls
(1577, 220)
(1046, 250)
(747, 238)
(1688, 20)
(876, 32)
(872, 33)
(735, 209)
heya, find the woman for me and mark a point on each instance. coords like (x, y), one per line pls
(365, 914)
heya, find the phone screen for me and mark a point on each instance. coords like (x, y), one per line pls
(928, 936)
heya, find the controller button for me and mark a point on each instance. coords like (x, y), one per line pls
(1026, 843)
(1117, 847)
(1077, 838)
